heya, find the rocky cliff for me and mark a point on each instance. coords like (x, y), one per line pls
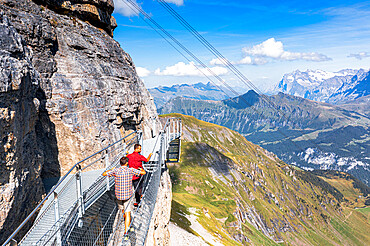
(67, 90)
(21, 162)
(159, 234)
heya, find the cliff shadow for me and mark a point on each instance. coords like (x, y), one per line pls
(47, 144)
(35, 156)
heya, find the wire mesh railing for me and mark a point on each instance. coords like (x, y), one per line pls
(53, 209)
(81, 209)
(139, 226)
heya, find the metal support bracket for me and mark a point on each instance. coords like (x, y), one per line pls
(81, 207)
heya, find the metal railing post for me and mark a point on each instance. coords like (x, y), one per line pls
(173, 128)
(57, 217)
(107, 163)
(179, 136)
(140, 138)
(154, 127)
(165, 144)
(81, 207)
(178, 128)
(161, 150)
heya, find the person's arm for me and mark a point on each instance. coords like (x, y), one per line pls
(107, 173)
(142, 171)
(146, 159)
(138, 172)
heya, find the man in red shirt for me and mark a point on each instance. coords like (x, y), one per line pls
(123, 187)
(135, 160)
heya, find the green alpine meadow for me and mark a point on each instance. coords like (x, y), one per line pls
(243, 194)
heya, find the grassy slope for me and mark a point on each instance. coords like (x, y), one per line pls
(331, 128)
(292, 210)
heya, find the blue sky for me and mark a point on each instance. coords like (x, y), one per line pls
(264, 39)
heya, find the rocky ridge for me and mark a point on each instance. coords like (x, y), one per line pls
(163, 94)
(331, 87)
(312, 135)
(67, 90)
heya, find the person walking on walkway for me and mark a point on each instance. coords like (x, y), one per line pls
(123, 187)
(135, 160)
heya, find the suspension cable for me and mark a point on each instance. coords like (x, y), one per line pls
(137, 9)
(228, 64)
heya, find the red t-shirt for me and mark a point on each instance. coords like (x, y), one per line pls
(135, 160)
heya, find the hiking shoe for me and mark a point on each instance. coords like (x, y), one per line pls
(131, 229)
(135, 204)
(125, 237)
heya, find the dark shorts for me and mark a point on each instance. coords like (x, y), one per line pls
(125, 205)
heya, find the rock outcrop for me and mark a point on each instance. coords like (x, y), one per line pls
(159, 233)
(96, 12)
(21, 160)
(67, 90)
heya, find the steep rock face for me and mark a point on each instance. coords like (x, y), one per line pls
(92, 92)
(21, 160)
(96, 12)
(80, 93)
(159, 234)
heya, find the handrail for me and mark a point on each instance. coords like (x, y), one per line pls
(147, 204)
(56, 186)
(171, 129)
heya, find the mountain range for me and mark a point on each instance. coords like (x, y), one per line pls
(360, 105)
(201, 91)
(335, 88)
(309, 134)
(228, 191)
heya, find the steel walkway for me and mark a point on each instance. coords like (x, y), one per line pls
(81, 209)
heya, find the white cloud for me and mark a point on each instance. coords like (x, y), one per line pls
(268, 48)
(216, 61)
(121, 7)
(252, 60)
(273, 49)
(177, 2)
(259, 61)
(360, 55)
(246, 60)
(182, 69)
(142, 71)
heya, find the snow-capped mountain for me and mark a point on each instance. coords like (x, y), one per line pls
(359, 86)
(332, 87)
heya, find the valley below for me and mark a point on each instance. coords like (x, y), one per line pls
(308, 134)
(228, 191)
